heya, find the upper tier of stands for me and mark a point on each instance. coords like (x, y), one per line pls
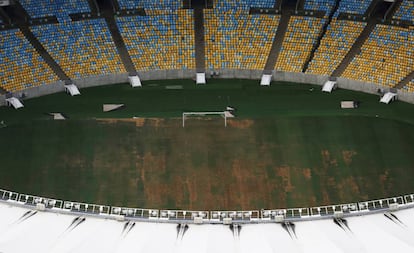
(243, 4)
(301, 35)
(386, 57)
(164, 39)
(59, 8)
(410, 86)
(237, 40)
(150, 4)
(83, 48)
(320, 5)
(406, 11)
(336, 43)
(353, 6)
(21, 67)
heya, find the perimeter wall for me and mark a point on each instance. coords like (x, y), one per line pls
(221, 73)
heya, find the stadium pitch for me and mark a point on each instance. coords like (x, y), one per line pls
(291, 145)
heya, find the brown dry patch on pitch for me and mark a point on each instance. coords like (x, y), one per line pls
(243, 124)
(154, 189)
(327, 160)
(139, 122)
(192, 188)
(284, 173)
(348, 189)
(307, 173)
(347, 155)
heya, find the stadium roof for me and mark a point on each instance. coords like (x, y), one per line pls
(30, 230)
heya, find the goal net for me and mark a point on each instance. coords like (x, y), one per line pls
(201, 114)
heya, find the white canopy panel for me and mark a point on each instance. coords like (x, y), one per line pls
(28, 230)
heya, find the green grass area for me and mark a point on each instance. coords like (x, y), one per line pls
(289, 146)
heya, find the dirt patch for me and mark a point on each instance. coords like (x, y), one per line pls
(327, 160)
(243, 124)
(307, 173)
(284, 173)
(347, 155)
(139, 122)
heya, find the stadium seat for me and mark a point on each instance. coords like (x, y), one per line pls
(386, 57)
(320, 5)
(163, 39)
(353, 6)
(236, 40)
(301, 35)
(59, 8)
(82, 48)
(339, 38)
(406, 11)
(21, 67)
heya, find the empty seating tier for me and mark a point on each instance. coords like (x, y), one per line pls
(410, 86)
(353, 6)
(82, 49)
(302, 33)
(237, 40)
(150, 4)
(243, 4)
(59, 8)
(339, 38)
(406, 11)
(320, 5)
(21, 67)
(164, 39)
(386, 57)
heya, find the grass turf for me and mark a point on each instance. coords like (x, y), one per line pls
(289, 147)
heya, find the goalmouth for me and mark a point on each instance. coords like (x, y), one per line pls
(187, 114)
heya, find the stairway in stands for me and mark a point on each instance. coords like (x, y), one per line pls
(199, 40)
(405, 80)
(355, 49)
(44, 54)
(318, 41)
(277, 42)
(107, 11)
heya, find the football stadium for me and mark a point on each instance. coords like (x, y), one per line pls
(206, 126)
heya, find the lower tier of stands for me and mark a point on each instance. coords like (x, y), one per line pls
(385, 58)
(301, 35)
(21, 67)
(237, 40)
(82, 48)
(163, 39)
(336, 43)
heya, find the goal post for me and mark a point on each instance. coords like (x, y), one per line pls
(186, 114)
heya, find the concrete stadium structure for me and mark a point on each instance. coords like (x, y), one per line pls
(36, 224)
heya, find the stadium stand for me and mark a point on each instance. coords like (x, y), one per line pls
(163, 39)
(83, 48)
(339, 38)
(59, 8)
(410, 86)
(320, 5)
(406, 11)
(353, 6)
(150, 4)
(300, 37)
(237, 40)
(386, 57)
(21, 67)
(243, 4)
